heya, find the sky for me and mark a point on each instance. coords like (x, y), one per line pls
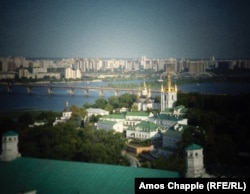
(125, 28)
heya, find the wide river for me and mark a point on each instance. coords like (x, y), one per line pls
(40, 100)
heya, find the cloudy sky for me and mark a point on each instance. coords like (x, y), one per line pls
(125, 28)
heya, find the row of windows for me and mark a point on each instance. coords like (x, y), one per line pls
(139, 136)
(191, 154)
(9, 139)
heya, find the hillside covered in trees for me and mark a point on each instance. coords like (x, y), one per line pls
(219, 123)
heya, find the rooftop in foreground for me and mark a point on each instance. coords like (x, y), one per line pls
(52, 176)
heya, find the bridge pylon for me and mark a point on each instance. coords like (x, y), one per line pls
(49, 90)
(71, 91)
(9, 89)
(29, 89)
(86, 92)
(116, 92)
(100, 92)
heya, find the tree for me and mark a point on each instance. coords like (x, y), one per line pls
(100, 103)
(75, 110)
(114, 101)
(26, 118)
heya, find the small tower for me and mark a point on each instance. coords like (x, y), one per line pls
(67, 112)
(195, 166)
(10, 146)
(168, 94)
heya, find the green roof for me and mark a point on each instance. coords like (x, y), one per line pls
(137, 113)
(10, 133)
(167, 117)
(193, 147)
(52, 177)
(107, 122)
(114, 116)
(145, 126)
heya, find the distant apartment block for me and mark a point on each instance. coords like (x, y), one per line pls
(72, 74)
(74, 68)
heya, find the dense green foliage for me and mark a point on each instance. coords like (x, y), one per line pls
(66, 141)
(114, 102)
(219, 123)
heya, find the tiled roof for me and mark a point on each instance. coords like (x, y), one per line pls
(145, 126)
(10, 133)
(114, 116)
(107, 122)
(139, 113)
(193, 147)
(64, 177)
(167, 117)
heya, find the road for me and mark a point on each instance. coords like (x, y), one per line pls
(134, 162)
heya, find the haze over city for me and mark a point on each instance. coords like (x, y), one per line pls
(125, 29)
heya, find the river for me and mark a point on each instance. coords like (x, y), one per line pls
(40, 100)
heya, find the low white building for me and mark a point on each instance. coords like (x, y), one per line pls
(139, 116)
(110, 125)
(168, 120)
(144, 130)
(119, 118)
(9, 75)
(96, 111)
(65, 115)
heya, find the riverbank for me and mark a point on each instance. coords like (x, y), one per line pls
(15, 113)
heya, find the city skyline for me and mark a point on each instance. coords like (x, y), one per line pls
(125, 29)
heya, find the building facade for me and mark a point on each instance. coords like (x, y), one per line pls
(168, 95)
(9, 146)
(144, 100)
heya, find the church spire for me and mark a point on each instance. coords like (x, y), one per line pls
(149, 92)
(144, 85)
(168, 82)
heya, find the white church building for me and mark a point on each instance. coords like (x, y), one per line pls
(65, 115)
(168, 95)
(144, 100)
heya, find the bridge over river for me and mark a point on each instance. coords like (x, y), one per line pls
(70, 88)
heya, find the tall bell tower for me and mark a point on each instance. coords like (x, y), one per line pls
(9, 146)
(168, 94)
(195, 165)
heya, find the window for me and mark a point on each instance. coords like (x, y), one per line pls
(196, 154)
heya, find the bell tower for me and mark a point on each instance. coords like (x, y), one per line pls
(168, 94)
(9, 146)
(195, 166)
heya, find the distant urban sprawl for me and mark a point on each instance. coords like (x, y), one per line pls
(75, 68)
